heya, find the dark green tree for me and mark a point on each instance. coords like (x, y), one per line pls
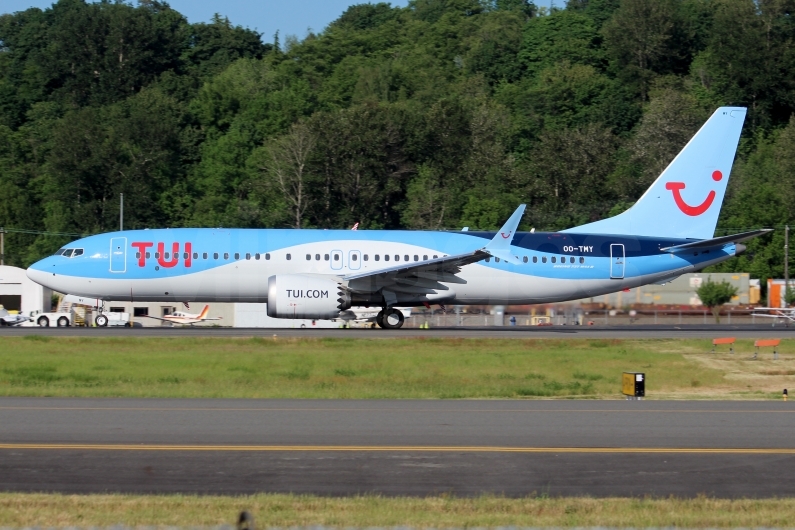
(714, 295)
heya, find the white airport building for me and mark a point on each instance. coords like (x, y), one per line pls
(18, 293)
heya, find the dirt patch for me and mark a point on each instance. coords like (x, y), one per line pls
(760, 375)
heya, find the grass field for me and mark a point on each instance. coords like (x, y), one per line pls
(47, 511)
(361, 368)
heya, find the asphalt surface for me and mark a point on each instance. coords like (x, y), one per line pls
(508, 332)
(340, 447)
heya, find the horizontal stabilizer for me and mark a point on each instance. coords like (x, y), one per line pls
(718, 241)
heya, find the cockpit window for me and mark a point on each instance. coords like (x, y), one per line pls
(70, 252)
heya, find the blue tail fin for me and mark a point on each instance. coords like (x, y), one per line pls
(685, 199)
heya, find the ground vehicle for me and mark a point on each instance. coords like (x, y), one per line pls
(113, 320)
(53, 319)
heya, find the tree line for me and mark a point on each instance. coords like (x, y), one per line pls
(443, 114)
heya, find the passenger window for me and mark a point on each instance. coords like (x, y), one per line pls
(267, 255)
(386, 257)
(226, 255)
(535, 259)
(289, 257)
(184, 255)
(77, 252)
(137, 255)
(148, 255)
(195, 255)
(68, 253)
(166, 255)
(435, 256)
(524, 259)
(488, 260)
(571, 260)
(237, 255)
(406, 257)
(215, 255)
(377, 257)
(325, 257)
(582, 260)
(317, 257)
(248, 255)
(425, 257)
(544, 259)
(553, 259)
(354, 257)
(204, 256)
(336, 257)
(366, 257)
(497, 260)
(416, 257)
(157, 255)
(309, 257)
(397, 258)
(256, 256)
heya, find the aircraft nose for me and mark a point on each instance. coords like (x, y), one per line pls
(38, 271)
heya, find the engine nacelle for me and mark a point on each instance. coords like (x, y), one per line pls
(306, 296)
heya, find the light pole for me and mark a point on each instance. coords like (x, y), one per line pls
(786, 263)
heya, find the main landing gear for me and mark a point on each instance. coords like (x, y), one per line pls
(390, 318)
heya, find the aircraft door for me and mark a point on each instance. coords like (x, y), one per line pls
(354, 260)
(118, 254)
(617, 261)
(336, 259)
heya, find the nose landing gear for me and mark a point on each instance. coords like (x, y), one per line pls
(390, 318)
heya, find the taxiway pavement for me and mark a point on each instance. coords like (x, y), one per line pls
(411, 447)
(495, 332)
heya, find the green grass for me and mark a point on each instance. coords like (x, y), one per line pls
(362, 368)
(286, 511)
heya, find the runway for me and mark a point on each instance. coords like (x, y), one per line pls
(339, 447)
(507, 332)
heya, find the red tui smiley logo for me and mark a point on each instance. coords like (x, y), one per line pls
(692, 211)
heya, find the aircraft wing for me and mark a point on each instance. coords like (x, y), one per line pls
(425, 277)
(158, 318)
(718, 241)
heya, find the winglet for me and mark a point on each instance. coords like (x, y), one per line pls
(500, 246)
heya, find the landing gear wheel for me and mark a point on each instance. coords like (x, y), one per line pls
(379, 318)
(101, 321)
(392, 319)
(63, 322)
(43, 322)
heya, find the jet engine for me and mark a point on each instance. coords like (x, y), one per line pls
(306, 296)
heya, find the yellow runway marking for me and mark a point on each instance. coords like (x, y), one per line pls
(396, 448)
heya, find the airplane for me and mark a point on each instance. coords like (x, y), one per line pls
(178, 317)
(785, 313)
(11, 318)
(317, 274)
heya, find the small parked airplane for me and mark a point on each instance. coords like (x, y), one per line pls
(178, 317)
(320, 274)
(786, 313)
